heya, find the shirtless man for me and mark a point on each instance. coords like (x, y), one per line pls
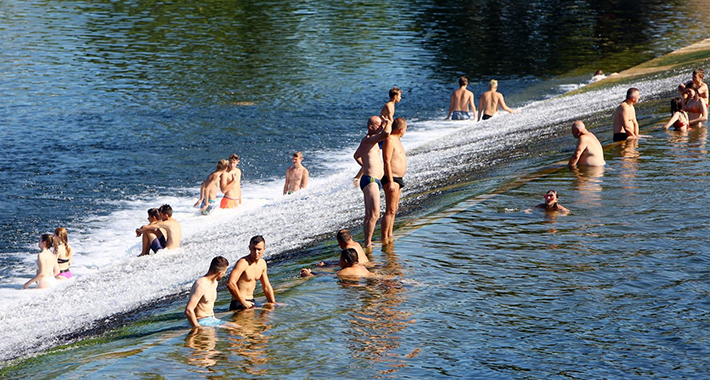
(551, 203)
(200, 307)
(231, 184)
(388, 109)
(461, 102)
(368, 156)
(625, 124)
(589, 151)
(490, 101)
(164, 234)
(700, 87)
(296, 175)
(208, 190)
(247, 270)
(351, 267)
(395, 161)
(153, 218)
(345, 240)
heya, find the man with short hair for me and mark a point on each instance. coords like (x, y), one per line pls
(589, 150)
(296, 175)
(395, 165)
(208, 189)
(625, 124)
(171, 236)
(368, 156)
(351, 267)
(345, 240)
(490, 101)
(203, 294)
(247, 270)
(461, 102)
(230, 184)
(388, 109)
(153, 218)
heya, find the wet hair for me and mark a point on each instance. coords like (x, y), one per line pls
(399, 123)
(154, 212)
(344, 235)
(700, 72)
(48, 240)
(256, 240)
(553, 192)
(598, 72)
(61, 237)
(166, 210)
(349, 255)
(630, 92)
(676, 105)
(394, 91)
(463, 81)
(298, 154)
(493, 84)
(222, 164)
(218, 264)
(234, 157)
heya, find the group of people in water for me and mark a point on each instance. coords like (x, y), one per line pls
(53, 260)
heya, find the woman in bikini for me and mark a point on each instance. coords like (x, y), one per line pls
(47, 266)
(696, 109)
(679, 118)
(64, 253)
(700, 87)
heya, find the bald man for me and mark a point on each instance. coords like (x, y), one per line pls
(625, 124)
(589, 151)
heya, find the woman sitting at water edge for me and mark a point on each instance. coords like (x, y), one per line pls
(679, 118)
(64, 253)
(551, 203)
(47, 266)
(696, 108)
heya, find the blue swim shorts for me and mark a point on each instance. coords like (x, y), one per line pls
(460, 115)
(210, 321)
(366, 180)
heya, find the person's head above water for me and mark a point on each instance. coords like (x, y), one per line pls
(578, 128)
(493, 84)
(219, 266)
(166, 210)
(598, 72)
(222, 165)
(463, 81)
(257, 245)
(374, 123)
(551, 197)
(348, 258)
(343, 236)
(46, 241)
(633, 94)
(394, 91)
(676, 105)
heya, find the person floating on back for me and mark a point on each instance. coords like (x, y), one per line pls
(231, 184)
(625, 124)
(296, 175)
(490, 101)
(203, 294)
(247, 270)
(209, 188)
(461, 102)
(589, 151)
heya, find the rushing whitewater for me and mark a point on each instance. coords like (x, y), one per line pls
(111, 280)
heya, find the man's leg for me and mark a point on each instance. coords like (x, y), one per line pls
(372, 211)
(392, 205)
(146, 244)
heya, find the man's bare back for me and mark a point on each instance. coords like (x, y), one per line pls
(462, 101)
(589, 150)
(174, 232)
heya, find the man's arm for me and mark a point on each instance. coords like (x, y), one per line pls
(502, 104)
(152, 227)
(628, 121)
(196, 294)
(703, 116)
(239, 177)
(266, 285)
(286, 183)
(451, 106)
(581, 146)
(471, 103)
(304, 180)
(480, 108)
(239, 268)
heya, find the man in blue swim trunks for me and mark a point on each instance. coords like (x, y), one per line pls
(368, 156)
(200, 307)
(461, 102)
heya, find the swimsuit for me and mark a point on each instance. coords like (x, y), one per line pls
(212, 204)
(679, 124)
(66, 273)
(460, 115)
(486, 117)
(158, 244)
(62, 261)
(236, 305)
(228, 203)
(210, 321)
(366, 180)
(620, 136)
(399, 180)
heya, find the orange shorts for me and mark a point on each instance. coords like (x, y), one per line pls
(228, 203)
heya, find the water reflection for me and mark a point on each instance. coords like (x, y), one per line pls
(627, 151)
(588, 183)
(249, 342)
(203, 342)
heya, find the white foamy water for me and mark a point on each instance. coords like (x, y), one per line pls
(111, 279)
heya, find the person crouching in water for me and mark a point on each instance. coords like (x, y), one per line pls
(47, 266)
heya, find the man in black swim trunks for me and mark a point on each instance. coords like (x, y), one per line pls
(395, 161)
(625, 124)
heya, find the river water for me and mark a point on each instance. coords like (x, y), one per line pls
(114, 107)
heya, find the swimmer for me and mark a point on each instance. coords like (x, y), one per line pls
(490, 101)
(345, 240)
(247, 270)
(208, 189)
(388, 109)
(47, 267)
(589, 151)
(296, 175)
(700, 87)
(64, 253)
(351, 267)
(598, 75)
(166, 233)
(200, 307)
(461, 102)
(368, 156)
(679, 118)
(395, 162)
(696, 108)
(551, 203)
(231, 184)
(625, 124)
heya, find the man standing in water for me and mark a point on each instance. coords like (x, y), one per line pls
(157, 239)
(589, 151)
(625, 124)
(490, 101)
(208, 190)
(247, 270)
(461, 102)
(368, 156)
(388, 109)
(395, 162)
(200, 307)
(296, 175)
(230, 184)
